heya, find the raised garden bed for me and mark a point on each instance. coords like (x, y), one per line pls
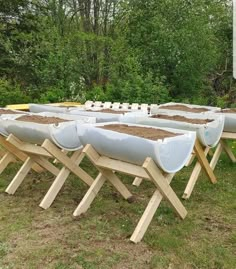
(169, 148)
(59, 128)
(208, 127)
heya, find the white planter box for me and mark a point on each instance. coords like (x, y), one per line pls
(63, 134)
(208, 134)
(170, 154)
(209, 108)
(230, 121)
(95, 112)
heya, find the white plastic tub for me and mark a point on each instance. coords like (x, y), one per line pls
(162, 107)
(37, 108)
(170, 154)
(94, 112)
(63, 134)
(230, 121)
(3, 117)
(208, 134)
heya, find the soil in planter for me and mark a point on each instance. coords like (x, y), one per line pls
(144, 132)
(181, 118)
(41, 119)
(9, 111)
(185, 108)
(109, 111)
(230, 110)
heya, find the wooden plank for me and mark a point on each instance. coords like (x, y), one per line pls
(59, 181)
(10, 147)
(66, 161)
(203, 161)
(137, 181)
(114, 180)
(163, 186)
(20, 176)
(148, 214)
(126, 168)
(216, 156)
(228, 150)
(194, 177)
(90, 195)
(45, 164)
(228, 135)
(5, 160)
(190, 160)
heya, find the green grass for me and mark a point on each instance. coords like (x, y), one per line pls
(34, 238)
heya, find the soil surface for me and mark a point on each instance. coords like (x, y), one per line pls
(144, 132)
(228, 110)
(181, 118)
(9, 111)
(41, 119)
(185, 108)
(109, 111)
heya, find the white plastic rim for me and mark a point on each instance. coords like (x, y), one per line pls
(209, 108)
(170, 154)
(230, 121)
(208, 134)
(95, 112)
(63, 134)
(37, 108)
(4, 117)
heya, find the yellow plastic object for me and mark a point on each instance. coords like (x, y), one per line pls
(26, 106)
(66, 104)
(18, 107)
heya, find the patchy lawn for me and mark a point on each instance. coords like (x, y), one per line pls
(34, 238)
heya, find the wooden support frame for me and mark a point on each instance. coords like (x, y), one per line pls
(200, 152)
(222, 146)
(148, 170)
(202, 163)
(40, 155)
(12, 153)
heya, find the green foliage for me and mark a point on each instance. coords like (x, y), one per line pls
(128, 51)
(11, 94)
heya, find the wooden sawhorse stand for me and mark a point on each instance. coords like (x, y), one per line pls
(201, 154)
(222, 145)
(39, 155)
(12, 153)
(149, 170)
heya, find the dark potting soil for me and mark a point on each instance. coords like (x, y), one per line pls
(144, 132)
(181, 118)
(185, 108)
(9, 111)
(41, 119)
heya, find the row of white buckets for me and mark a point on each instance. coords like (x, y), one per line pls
(170, 154)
